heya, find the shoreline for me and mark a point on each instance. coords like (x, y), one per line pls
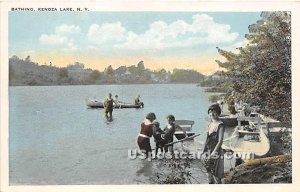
(276, 167)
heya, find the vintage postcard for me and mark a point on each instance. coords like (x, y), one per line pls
(142, 95)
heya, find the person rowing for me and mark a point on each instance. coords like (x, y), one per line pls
(118, 102)
(138, 102)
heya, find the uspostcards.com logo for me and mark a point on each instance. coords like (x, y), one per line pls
(140, 154)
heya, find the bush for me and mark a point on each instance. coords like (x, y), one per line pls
(215, 98)
(177, 172)
(216, 90)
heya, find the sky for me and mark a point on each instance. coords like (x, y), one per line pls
(168, 40)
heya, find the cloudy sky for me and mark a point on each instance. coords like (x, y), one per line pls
(98, 39)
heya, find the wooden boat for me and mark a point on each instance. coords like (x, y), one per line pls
(184, 139)
(94, 103)
(248, 138)
(229, 120)
(186, 125)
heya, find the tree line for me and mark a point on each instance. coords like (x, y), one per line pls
(24, 72)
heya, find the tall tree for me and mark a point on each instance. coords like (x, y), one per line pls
(109, 71)
(261, 72)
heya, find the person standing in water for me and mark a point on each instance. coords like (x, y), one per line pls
(157, 132)
(169, 130)
(214, 162)
(108, 105)
(146, 133)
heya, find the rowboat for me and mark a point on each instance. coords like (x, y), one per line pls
(248, 138)
(182, 140)
(229, 120)
(186, 125)
(94, 103)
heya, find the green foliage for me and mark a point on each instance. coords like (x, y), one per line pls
(215, 98)
(137, 70)
(260, 73)
(161, 75)
(286, 139)
(177, 172)
(26, 72)
(216, 90)
(63, 73)
(185, 76)
(230, 104)
(109, 71)
(11, 73)
(213, 81)
(95, 75)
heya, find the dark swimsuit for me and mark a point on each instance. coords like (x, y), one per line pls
(215, 166)
(144, 142)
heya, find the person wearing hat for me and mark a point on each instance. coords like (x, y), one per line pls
(214, 162)
(145, 134)
(108, 105)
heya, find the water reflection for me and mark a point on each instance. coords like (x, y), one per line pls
(109, 119)
(145, 168)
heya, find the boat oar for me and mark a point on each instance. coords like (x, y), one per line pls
(184, 139)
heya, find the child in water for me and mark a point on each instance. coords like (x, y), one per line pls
(157, 132)
(169, 130)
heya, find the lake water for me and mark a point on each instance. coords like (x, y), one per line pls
(55, 139)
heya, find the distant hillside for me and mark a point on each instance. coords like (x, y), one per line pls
(25, 72)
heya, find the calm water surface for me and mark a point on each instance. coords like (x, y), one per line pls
(55, 139)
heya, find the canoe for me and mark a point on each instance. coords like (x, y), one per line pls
(244, 139)
(94, 103)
